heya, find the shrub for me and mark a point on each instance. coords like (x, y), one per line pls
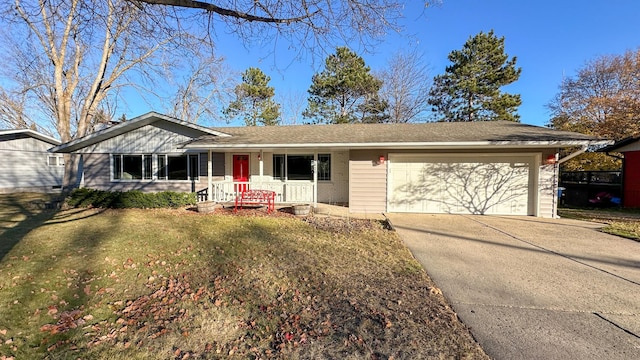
(129, 199)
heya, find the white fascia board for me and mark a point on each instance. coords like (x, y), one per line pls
(409, 145)
(33, 134)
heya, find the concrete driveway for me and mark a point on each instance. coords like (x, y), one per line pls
(532, 288)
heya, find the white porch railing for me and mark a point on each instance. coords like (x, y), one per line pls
(286, 192)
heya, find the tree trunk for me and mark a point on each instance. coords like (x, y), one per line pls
(72, 172)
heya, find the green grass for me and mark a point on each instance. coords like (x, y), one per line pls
(620, 222)
(146, 284)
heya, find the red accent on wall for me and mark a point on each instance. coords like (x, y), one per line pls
(631, 179)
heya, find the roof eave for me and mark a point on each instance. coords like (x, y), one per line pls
(409, 145)
(34, 134)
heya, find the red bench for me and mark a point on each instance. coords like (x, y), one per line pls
(256, 197)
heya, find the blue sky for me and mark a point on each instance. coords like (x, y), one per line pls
(549, 38)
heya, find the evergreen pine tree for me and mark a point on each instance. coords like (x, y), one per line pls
(469, 90)
(345, 91)
(254, 100)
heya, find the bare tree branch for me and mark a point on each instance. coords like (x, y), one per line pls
(202, 94)
(12, 113)
(405, 87)
(229, 12)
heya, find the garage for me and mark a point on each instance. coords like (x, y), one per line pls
(496, 184)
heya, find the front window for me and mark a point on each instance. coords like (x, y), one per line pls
(324, 167)
(299, 167)
(178, 167)
(278, 167)
(132, 167)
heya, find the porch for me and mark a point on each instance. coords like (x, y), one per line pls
(286, 192)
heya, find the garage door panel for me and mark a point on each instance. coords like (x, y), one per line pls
(459, 185)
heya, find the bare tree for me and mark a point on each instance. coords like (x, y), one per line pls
(70, 56)
(12, 114)
(405, 87)
(293, 103)
(201, 95)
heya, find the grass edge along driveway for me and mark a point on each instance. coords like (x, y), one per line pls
(620, 222)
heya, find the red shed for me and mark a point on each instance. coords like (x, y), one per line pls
(630, 170)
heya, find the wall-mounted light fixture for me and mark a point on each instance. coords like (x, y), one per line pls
(551, 159)
(381, 159)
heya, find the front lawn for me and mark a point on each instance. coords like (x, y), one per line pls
(621, 222)
(174, 284)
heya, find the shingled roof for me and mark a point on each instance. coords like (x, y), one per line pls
(380, 135)
(21, 133)
(422, 135)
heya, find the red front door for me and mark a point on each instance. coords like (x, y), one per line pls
(241, 171)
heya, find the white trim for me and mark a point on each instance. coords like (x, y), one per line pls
(535, 197)
(33, 134)
(410, 145)
(209, 175)
(459, 155)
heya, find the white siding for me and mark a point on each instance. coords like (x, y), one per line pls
(367, 182)
(25, 166)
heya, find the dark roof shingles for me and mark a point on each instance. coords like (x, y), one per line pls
(495, 131)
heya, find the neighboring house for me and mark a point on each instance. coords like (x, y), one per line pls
(26, 164)
(482, 167)
(630, 148)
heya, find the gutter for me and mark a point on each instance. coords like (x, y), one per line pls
(395, 145)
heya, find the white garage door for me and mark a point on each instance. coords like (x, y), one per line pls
(459, 184)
